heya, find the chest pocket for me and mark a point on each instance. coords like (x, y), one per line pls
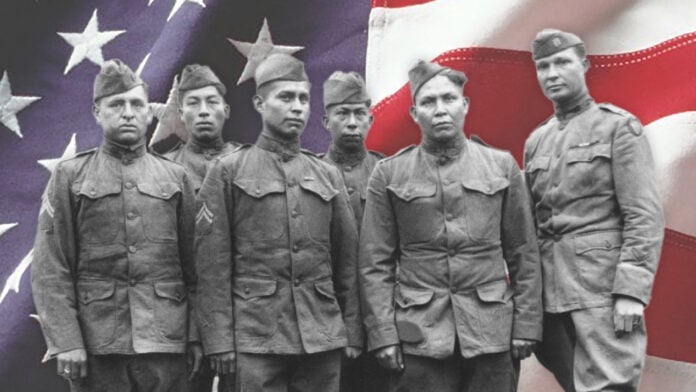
(158, 208)
(260, 209)
(483, 201)
(317, 208)
(414, 207)
(588, 169)
(99, 211)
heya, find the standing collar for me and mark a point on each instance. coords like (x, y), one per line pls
(122, 151)
(351, 158)
(286, 149)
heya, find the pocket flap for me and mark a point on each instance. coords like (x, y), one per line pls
(324, 191)
(159, 190)
(496, 291)
(171, 290)
(411, 191)
(325, 289)
(407, 297)
(539, 163)
(489, 186)
(97, 190)
(258, 188)
(600, 240)
(96, 290)
(254, 287)
(588, 154)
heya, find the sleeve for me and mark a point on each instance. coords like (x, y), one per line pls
(344, 255)
(213, 259)
(378, 254)
(185, 223)
(54, 265)
(521, 254)
(635, 183)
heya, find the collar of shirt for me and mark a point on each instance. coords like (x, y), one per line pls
(212, 149)
(445, 152)
(565, 112)
(125, 153)
(286, 149)
(350, 158)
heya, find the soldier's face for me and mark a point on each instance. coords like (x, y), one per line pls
(562, 75)
(348, 124)
(204, 113)
(124, 117)
(439, 109)
(284, 108)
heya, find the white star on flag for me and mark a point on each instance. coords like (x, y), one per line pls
(177, 6)
(88, 44)
(259, 50)
(12, 282)
(69, 152)
(10, 105)
(168, 117)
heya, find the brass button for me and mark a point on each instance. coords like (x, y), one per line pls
(297, 282)
(132, 248)
(294, 214)
(295, 248)
(132, 282)
(247, 290)
(292, 183)
(451, 252)
(453, 290)
(258, 191)
(131, 215)
(351, 189)
(129, 185)
(608, 244)
(442, 160)
(449, 217)
(92, 192)
(348, 168)
(164, 194)
(557, 237)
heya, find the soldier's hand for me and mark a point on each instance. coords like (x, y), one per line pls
(352, 352)
(390, 357)
(194, 356)
(223, 363)
(72, 364)
(628, 315)
(522, 348)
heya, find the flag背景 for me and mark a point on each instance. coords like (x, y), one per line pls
(642, 54)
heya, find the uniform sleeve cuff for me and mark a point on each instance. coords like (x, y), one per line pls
(381, 336)
(633, 281)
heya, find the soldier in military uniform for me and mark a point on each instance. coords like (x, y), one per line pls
(113, 269)
(449, 266)
(204, 112)
(347, 117)
(599, 222)
(276, 251)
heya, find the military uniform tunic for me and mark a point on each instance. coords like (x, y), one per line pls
(276, 251)
(356, 170)
(448, 253)
(598, 213)
(113, 268)
(197, 159)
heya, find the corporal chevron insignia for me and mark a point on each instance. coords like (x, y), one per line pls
(204, 213)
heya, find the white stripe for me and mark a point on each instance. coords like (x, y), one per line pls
(659, 375)
(673, 143)
(399, 37)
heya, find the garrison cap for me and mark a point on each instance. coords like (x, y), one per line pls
(550, 41)
(280, 66)
(195, 76)
(115, 77)
(345, 87)
(424, 71)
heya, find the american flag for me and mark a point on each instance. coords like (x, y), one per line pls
(642, 54)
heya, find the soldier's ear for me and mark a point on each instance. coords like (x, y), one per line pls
(412, 111)
(586, 64)
(257, 100)
(466, 105)
(227, 112)
(325, 121)
(95, 111)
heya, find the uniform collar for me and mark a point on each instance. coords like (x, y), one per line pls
(198, 148)
(125, 153)
(286, 149)
(566, 111)
(344, 157)
(445, 152)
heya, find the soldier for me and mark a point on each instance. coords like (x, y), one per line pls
(347, 117)
(113, 271)
(276, 251)
(599, 222)
(203, 111)
(449, 267)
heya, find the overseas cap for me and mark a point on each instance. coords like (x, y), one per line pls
(424, 71)
(280, 67)
(550, 41)
(345, 87)
(115, 78)
(196, 76)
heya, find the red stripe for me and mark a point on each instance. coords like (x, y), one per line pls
(671, 316)
(507, 104)
(397, 3)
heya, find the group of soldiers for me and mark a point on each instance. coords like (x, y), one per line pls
(436, 269)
